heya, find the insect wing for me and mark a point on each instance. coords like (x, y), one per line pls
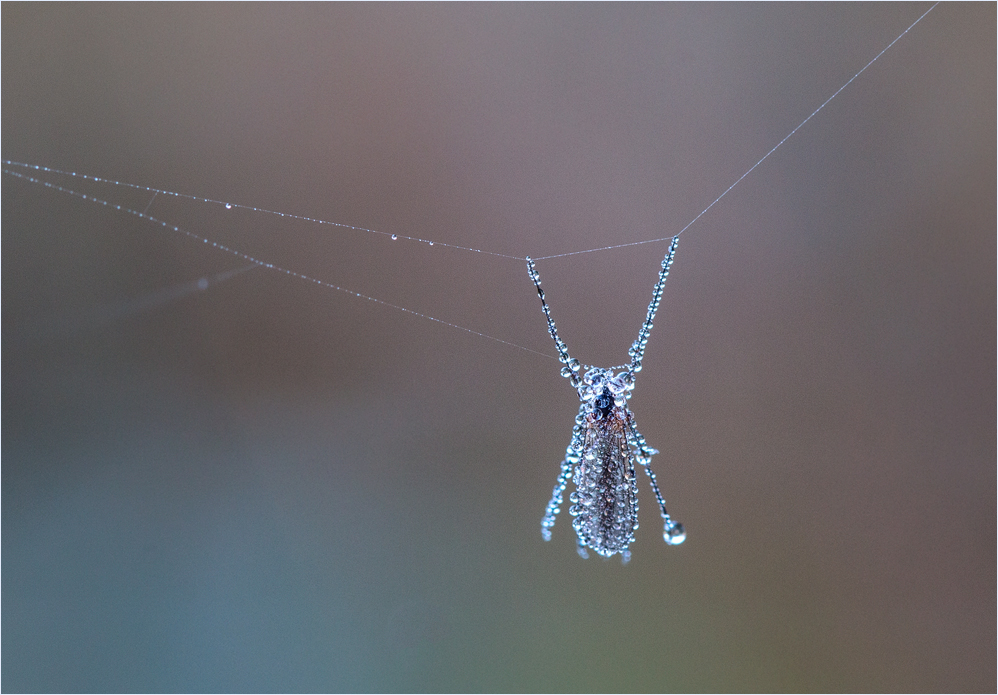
(605, 503)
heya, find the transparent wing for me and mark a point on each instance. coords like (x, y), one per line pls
(605, 503)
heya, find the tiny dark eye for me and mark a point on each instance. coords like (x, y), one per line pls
(604, 404)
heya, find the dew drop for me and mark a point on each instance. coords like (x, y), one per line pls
(674, 533)
(395, 237)
(228, 206)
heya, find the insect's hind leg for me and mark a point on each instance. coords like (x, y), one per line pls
(557, 496)
(572, 457)
(673, 533)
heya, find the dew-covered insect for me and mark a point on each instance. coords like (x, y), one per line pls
(606, 445)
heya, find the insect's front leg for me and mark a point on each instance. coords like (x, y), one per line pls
(557, 496)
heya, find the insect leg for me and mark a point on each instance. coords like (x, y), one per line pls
(674, 533)
(554, 506)
(557, 496)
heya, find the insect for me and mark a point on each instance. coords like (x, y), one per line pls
(606, 445)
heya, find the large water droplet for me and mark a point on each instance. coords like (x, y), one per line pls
(395, 237)
(674, 533)
(228, 206)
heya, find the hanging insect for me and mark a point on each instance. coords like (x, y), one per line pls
(606, 444)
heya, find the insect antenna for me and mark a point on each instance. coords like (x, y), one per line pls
(572, 366)
(637, 351)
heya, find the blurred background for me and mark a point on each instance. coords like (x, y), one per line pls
(269, 485)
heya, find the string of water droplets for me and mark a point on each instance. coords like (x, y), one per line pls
(229, 206)
(235, 206)
(252, 259)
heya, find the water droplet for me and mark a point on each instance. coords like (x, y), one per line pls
(674, 533)
(395, 237)
(228, 206)
(574, 364)
(431, 243)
